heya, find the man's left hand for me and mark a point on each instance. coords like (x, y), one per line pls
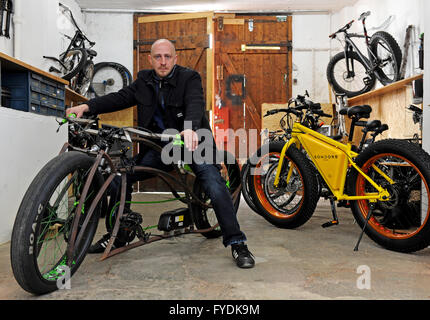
(191, 139)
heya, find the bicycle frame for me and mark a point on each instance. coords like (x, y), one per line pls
(332, 159)
(183, 172)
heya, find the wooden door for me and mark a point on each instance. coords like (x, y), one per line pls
(191, 34)
(253, 64)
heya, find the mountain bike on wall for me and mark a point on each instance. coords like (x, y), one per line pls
(352, 73)
(76, 63)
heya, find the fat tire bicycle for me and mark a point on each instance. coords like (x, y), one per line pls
(60, 211)
(385, 183)
(351, 72)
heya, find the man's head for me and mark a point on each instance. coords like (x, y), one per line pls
(163, 57)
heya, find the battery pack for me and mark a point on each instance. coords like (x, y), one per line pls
(174, 219)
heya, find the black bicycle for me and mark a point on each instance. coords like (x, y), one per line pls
(76, 63)
(352, 73)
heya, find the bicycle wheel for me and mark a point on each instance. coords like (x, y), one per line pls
(42, 227)
(244, 175)
(205, 217)
(402, 223)
(349, 83)
(109, 77)
(74, 60)
(388, 56)
(288, 205)
(84, 78)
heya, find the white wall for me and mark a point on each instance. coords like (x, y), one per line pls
(426, 101)
(28, 142)
(113, 34)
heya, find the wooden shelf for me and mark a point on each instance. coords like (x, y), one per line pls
(389, 105)
(10, 63)
(381, 91)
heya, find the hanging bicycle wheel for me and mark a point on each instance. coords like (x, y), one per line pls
(109, 77)
(73, 60)
(353, 82)
(388, 57)
(44, 221)
(402, 223)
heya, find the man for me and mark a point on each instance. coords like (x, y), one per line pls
(167, 97)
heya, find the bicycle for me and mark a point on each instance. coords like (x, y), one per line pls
(385, 183)
(59, 214)
(352, 73)
(311, 119)
(76, 63)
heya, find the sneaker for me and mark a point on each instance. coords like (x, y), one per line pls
(101, 245)
(242, 256)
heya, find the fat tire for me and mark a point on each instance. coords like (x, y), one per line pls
(395, 50)
(417, 157)
(24, 266)
(336, 86)
(123, 72)
(310, 194)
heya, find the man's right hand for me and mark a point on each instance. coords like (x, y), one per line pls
(78, 110)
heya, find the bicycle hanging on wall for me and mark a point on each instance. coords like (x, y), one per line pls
(352, 73)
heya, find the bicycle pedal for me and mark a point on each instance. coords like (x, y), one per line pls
(330, 224)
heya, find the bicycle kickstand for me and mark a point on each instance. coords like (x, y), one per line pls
(369, 215)
(335, 220)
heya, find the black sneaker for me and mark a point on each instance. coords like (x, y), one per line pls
(101, 245)
(242, 256)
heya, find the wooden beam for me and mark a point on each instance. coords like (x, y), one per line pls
(176, 16)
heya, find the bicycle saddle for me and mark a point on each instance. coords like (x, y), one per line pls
(92, 52)
(357, 111)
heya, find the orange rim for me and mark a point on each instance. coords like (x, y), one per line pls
(261, 193)
(363, 206)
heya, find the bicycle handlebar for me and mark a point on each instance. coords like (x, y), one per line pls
(343, 29)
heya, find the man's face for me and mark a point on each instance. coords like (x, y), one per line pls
(162, 58)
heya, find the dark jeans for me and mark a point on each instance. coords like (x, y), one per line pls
(212, 182)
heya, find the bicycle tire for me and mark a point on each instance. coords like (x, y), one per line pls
(43, 222)
(109, 75)
(85, 78)
(389, 45)
(75, 64)
(244, 175)
(302, 192)
(397, 224)
(206, 218)
(338, 78)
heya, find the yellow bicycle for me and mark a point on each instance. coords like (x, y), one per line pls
(385, 183)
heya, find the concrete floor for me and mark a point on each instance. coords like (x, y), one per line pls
(307, 263)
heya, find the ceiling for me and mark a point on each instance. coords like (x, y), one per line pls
(215, 5)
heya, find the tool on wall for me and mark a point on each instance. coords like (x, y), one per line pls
(6, 10)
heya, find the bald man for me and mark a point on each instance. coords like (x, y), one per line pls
(170, 96)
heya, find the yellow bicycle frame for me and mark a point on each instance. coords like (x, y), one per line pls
(332, 159)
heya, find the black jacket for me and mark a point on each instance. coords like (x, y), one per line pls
(184, 100)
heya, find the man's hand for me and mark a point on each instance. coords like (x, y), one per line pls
(191, 139)
(78, 110)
